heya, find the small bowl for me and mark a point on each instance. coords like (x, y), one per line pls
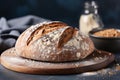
(111, 44)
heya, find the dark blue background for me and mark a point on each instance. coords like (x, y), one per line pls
(68, 11)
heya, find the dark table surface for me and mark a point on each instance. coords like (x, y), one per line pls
(108, 73)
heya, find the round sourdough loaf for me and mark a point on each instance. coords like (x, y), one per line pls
(54, 42)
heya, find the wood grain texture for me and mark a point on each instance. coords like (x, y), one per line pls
(97, 60)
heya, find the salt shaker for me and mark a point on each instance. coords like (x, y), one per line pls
(90, 19)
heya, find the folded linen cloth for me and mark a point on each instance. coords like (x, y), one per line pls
(11, 29)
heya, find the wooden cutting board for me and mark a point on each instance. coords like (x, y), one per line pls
(97, 60)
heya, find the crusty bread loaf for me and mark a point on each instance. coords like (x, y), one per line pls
(53, 41)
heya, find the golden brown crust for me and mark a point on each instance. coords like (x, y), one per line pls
(54, 43)
(44, 29)
(26, 37)
(65, 36)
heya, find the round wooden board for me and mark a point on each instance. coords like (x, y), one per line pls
(97, 60)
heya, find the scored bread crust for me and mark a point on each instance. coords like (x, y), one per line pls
(53, 41)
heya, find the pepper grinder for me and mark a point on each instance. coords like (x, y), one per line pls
(90, 19)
